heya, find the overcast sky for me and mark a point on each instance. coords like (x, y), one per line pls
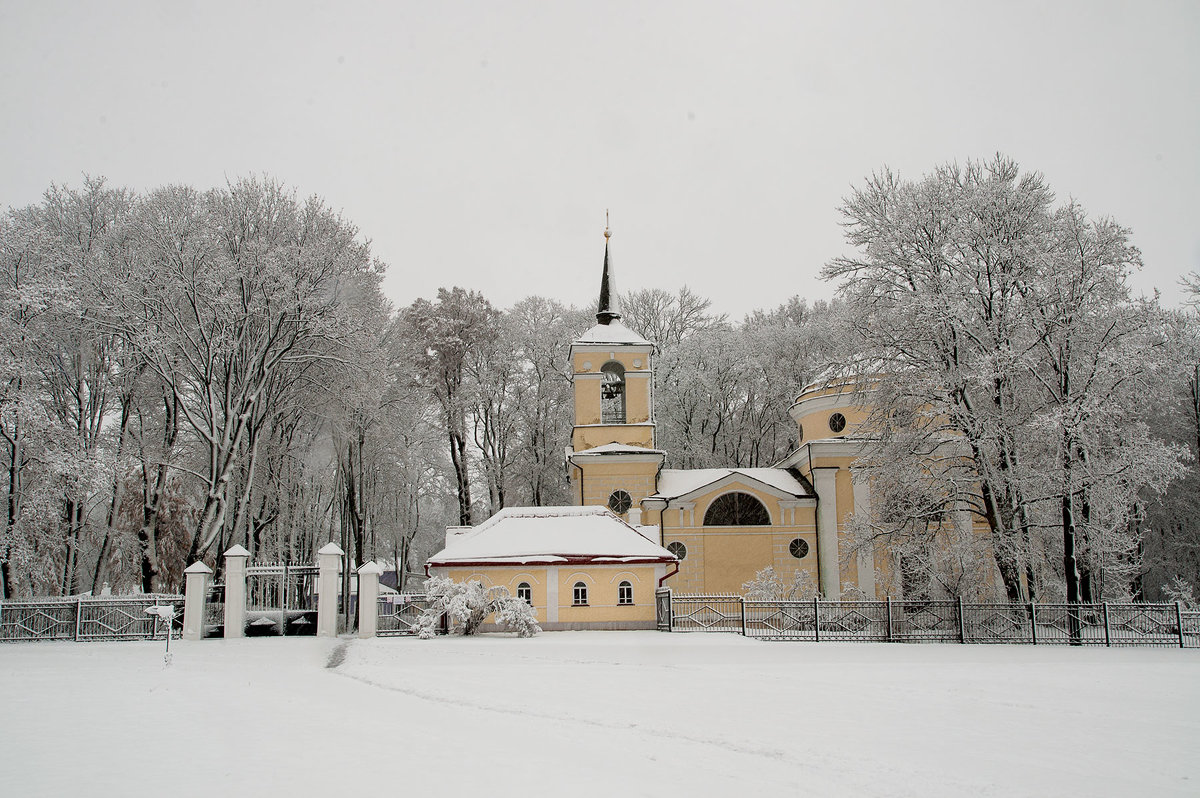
(479, 144)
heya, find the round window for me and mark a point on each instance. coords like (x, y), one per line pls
(620, 502)
(837, 422)
(798, 548)
(801, 426)
(678, 549)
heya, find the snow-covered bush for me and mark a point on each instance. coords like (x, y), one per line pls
(467, 604)
(1179, 589)
(770, 586)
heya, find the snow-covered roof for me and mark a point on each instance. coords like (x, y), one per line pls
(619, 448)
(612, 333)
(673, 483)
(531, 535)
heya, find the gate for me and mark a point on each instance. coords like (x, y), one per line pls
(281, 599)
(662, 609)
(398, 614)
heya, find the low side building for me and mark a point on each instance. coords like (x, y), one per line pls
(579, 567)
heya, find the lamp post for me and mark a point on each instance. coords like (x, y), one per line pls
(165, 612)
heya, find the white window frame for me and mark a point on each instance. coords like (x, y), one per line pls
(625, 593)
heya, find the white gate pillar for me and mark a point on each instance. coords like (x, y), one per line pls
(235, 591)
(368, 599)
(329, 562)
(195, 594)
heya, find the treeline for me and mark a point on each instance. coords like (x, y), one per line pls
(1021, 384)
(184, 371)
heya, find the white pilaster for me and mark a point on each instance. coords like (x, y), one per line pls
(329, 562)
(368, 599)
(825, 481)
(552, 594)
(866, 554)
(235, 591)
(195, 594)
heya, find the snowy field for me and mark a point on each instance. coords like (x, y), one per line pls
(595, 713)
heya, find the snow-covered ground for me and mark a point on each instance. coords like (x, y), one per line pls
(596, 713)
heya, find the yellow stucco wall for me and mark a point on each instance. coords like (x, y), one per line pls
(630, 434)
(637, 367)
(607, 474)
(602, 585)
(603, 581)
(815, 424)
(720, 559)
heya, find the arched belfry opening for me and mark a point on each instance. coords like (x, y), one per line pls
(612, 393)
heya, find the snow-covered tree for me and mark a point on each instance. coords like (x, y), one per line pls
(767, 585)
(466, 605)
(1005, 355)
(443, 336)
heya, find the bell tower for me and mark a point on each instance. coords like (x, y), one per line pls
(612, 460)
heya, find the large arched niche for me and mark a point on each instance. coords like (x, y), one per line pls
(737, 509)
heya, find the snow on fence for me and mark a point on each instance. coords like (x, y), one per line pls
(1105, 624)
(87, 618)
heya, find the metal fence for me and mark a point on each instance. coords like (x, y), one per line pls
(1106, 624)
(399, 612)
(86, 618)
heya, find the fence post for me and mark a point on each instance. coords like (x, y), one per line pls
(368, 599)
(329, 560)
(742, 604)
(889, 618)
(1179, 621)
(195, 593)
(1107, 634)
(817, 618)
(1033, 620)
(235, 591)
(79, 617)
(962, 625)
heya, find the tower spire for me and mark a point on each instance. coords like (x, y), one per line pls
(608, 310)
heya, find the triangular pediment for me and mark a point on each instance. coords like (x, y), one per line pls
(689, 485)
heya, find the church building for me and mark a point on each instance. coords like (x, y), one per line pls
(637, 526)
(724, 524)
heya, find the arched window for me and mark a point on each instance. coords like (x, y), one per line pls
(612, 393)
(580, 595)
(525, 593)
(625, 593)
(737, 509)
(620, 502)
